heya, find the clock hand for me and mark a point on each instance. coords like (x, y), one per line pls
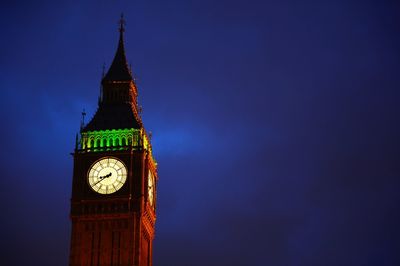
(105, 176)
(101, 178)
(97, 182)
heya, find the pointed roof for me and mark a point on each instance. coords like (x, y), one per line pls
(116, 113)
(113, 116)
(119, 70)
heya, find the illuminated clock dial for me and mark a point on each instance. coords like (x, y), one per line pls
(150, 189)
(107, 175)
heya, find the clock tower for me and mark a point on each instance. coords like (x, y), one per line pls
(114, 179)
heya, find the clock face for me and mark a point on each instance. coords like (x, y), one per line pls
(150, 189)
(107, 175)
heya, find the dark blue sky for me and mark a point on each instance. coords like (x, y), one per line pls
(275, 125)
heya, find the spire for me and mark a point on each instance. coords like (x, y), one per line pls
(122, 23)
(119, 70)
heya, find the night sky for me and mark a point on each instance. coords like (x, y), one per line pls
(275, 126)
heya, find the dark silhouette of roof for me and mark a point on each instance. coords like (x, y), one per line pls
(113, 116)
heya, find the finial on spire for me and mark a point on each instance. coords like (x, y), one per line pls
(122, 23)
(83, 118)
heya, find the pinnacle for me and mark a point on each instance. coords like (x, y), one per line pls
(119, 69)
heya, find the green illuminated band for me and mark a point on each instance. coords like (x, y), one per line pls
(114, 139)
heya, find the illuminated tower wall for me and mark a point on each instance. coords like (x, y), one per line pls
(113, 203)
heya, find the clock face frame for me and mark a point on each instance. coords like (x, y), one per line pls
(150, 188)
(107, 175)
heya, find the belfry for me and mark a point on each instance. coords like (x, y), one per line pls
(113, 202)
